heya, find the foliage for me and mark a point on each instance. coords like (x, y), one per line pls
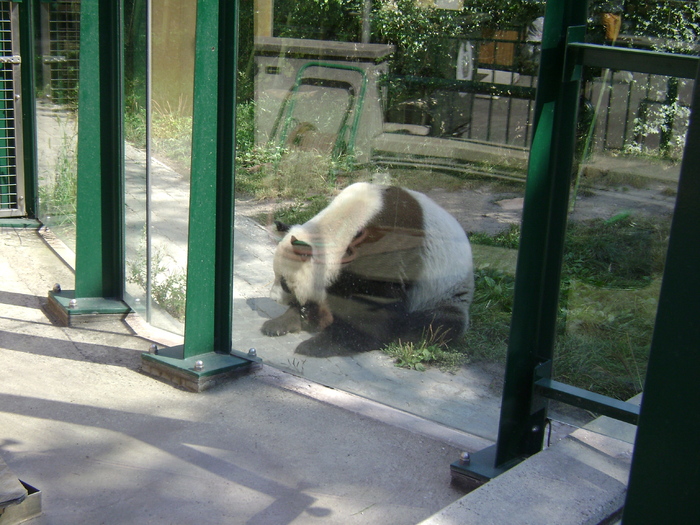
(674, 25)
(168, 286)
(58, 196)
(604, 337)
(319, 19)
(302, 210)
(508, 238)
(667, 118)
(610, 286)
(621, 252)
(430, 349)
(490, 314)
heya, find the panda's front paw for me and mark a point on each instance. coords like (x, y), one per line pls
(288, 322)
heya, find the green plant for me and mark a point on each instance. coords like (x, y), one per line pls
(621, 252)
(490, 314)
(431, 348)
(58, 196)
(302, 210)
(172, 134)
(509, 238)
(603, 338)
(610, 285)
(168, 286)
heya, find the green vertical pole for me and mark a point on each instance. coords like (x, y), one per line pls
(100, 216)
(538, 271)
(209, 309)
(27, 49)
(665, 476)
(99, 250)
(207, 357)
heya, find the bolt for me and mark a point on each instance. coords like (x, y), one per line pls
(153, 349)
(73, 303)
(464, 458)
(56, 288)
(252, 352)
(535, 429)
(198, 366)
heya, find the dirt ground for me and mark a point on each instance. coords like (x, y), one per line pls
(489, 208)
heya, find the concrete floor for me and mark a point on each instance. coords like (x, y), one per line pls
(106, 444)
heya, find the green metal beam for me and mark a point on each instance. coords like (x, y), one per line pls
(207, 356)
(665, 476)
(209, 308)
(523, 413)
(100, 216)
(538, 271)
(637, 60)
(578, 397)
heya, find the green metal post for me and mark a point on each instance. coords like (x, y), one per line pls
(99, 272)
(207, 352)
(665, 476)
(538, 271)
(100, 215)
(27, 49)
(209, 309)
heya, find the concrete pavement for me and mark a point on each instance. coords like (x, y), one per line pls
(106, 444)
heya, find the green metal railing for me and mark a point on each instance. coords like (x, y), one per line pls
(668, 421)
(207, 351)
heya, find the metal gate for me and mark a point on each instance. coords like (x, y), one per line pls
(12, 199)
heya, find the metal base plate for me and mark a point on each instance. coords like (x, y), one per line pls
(84, 309)
(479, 469)
(169, 365)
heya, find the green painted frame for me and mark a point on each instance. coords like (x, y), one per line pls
(207, 349)
(99, 271)
(665, 476)
(663, 482)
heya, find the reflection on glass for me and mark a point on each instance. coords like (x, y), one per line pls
(57, 39)
(358, 302)
(631, 134)
(158, 149)
(136, 166)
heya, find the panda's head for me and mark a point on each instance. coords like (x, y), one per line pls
(299, 275)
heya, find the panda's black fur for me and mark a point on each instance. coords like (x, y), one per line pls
(380, 263)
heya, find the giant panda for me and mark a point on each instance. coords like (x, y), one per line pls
(380, 263)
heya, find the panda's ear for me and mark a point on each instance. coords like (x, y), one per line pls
(282, 227)
(300, 248)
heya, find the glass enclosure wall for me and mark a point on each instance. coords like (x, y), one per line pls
(435, 97)
(438, 97)
(443, 109)
(158, 117)
(631, 135)
(57, 43)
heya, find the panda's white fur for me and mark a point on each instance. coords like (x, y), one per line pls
(311, 257)
(329, 233)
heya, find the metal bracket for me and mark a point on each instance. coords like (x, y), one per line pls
(545, 387)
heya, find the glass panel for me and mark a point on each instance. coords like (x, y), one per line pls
(58, 38)
(157, 256)
(632, 134)
(445, 110)
(136, 158)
